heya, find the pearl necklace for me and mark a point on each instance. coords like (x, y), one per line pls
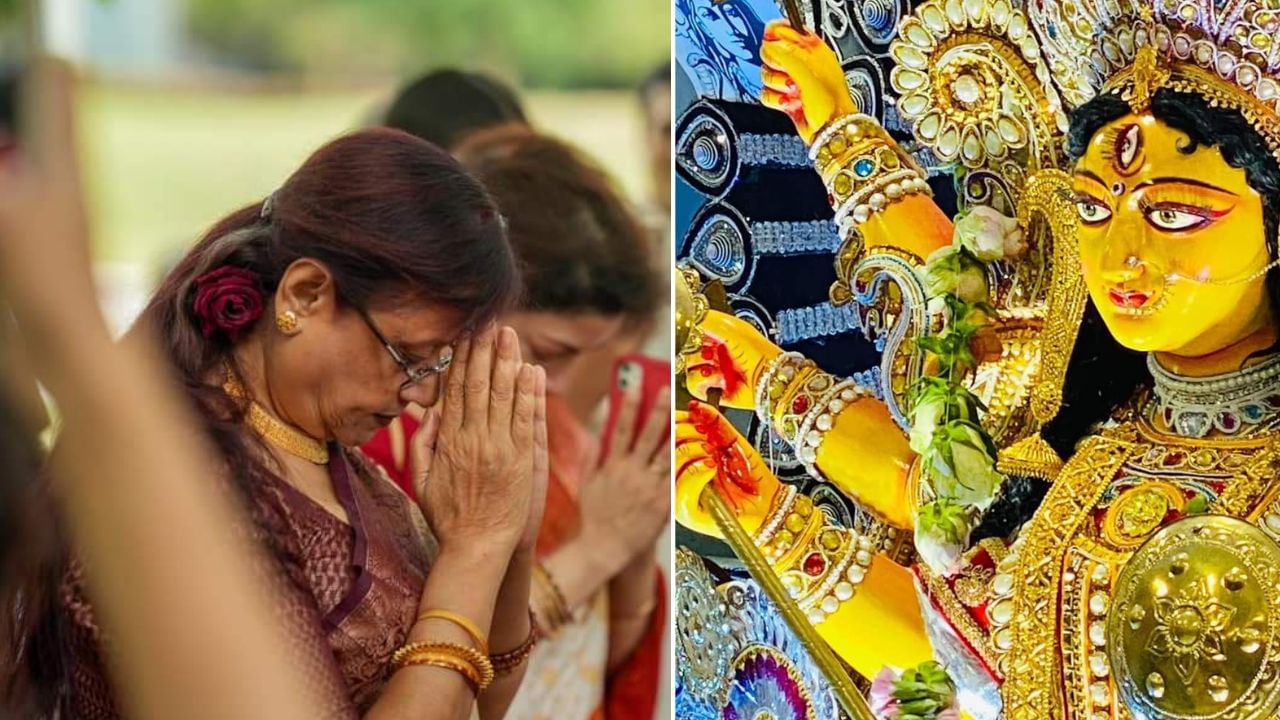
(273, 430)
(1227, 402)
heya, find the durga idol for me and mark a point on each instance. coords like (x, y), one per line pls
(1077, 421)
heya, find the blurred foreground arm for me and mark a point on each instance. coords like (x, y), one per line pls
(209, 652)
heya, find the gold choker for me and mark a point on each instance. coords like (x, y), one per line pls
(273, 430)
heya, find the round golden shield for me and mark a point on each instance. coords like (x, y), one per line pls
(1192, 631)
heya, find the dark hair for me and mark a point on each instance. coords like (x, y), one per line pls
(657, 78)
(444, 106)
(580, 246)
(393, 218)
(1102, 374)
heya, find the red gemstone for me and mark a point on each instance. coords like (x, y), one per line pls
(1174, 458)
(800, 404)
(815, 564)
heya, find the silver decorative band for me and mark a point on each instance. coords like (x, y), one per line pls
(821, 320)
(1193, 407)
(795, 238)
(777, 150)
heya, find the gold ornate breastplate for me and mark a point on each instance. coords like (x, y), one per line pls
(1119, 489)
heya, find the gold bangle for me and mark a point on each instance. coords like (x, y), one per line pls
(449, 662)
(477, 660)
(554, 608)
(471, 628)
(504, 663)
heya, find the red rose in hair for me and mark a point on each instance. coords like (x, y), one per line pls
(228, 301)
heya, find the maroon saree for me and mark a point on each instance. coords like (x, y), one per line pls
(350, 591)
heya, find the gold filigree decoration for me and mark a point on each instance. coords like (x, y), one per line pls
(1149, 75)
(973, 585)
(1138, 511)
(969, 75)
(1032, 457)
(1033, 674)
(957, 614)
(691, 309)
(1049, 194)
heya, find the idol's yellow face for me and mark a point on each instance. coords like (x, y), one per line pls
(1169, 240)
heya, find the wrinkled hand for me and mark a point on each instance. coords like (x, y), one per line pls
(480, 460)
(710, 450)
(803, 78)
(626, 501)
(733, 355)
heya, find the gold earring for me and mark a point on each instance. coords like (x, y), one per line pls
(287, 321)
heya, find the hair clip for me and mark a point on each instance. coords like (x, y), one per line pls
(267, 206)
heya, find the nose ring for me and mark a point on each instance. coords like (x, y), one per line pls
(1131, 261)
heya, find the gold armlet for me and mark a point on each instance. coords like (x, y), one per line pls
(1030, 456)
(505, 663)
(826, 397)
(820, 565)
(863, 168)
(468, 661)
(775, 388)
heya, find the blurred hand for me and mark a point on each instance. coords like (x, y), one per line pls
(626, 502)
(803, 78)
(733, 355)
(480, 460)
(44, 254)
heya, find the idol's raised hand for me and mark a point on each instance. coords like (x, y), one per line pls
(710, 451)
(803, 78)
(732, 356)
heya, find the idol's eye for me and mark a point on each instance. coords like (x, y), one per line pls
(1091, 211)
(1173, 219)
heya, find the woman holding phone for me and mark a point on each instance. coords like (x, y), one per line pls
(589, 279)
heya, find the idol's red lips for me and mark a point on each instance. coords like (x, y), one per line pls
(1128, 298)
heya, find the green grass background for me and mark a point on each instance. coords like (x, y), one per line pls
(162, 164)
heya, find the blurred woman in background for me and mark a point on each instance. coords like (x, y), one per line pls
(445, 105)
(589, 279)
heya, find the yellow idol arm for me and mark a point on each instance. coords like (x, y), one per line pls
(842, 434)
(861, 602)
(878, 190)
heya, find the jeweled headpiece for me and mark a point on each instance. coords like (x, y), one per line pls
(1227, 51)
(988, 86)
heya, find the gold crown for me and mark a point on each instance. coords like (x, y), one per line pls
(1227, 51)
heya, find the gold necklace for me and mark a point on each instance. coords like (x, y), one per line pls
(289, 439)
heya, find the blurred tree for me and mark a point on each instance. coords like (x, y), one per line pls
(556, 43)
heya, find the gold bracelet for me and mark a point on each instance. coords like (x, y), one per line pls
(449, 662)
(504, 663)
(474, 631)
(553, 610)
(477, 660)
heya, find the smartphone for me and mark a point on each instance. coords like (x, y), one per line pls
(634, 373)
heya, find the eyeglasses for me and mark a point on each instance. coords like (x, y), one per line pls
(413, 375)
